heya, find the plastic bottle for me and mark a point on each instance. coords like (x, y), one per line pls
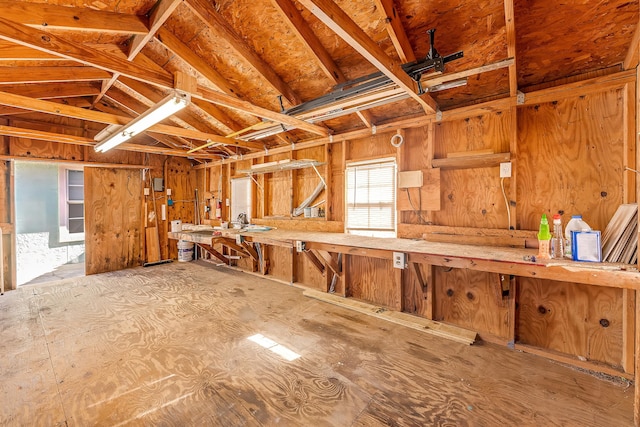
(575, 224)
(557, 241)
(544, 238)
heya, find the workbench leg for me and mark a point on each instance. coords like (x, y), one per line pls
(294, 265)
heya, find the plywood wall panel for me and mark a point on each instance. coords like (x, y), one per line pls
(335, 209)
(371, 147)
(280, 262)
(584, 321)
(372, 280)
(278, 190)
(471, 299)
(180, 177)
(571, 158)
(486, 207)
(307, 179)
(23, 147)
(308, 274)
(113, 228)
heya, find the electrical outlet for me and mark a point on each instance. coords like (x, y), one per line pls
(239, 239)
(168, 191)
(505, 170)
(146, 191)
(399, 260)
(300, 246)
(226, 202)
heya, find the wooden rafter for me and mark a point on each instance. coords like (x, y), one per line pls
(441, 78)
(396, 31)
(51, 91)
(13, 75)
(160, 13)
(15, 52)
(96, 116)
(41, 15)
(302, 30)
(216, 23)
(79, 140)
(511, 45)
(49, 43)
(336, 19)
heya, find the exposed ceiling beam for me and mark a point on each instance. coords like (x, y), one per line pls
(52, 44)
(159, 14)
(335, 18)
(79, 140)
(302, 30)
(442, 78)
(216, 23)
(42, 15)
(12, 75)
(15, 52)
(511, 45)
(396, 31)
(631, 59)
(97, 116)
(50, 91)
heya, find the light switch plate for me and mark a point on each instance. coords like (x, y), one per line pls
(505, 170)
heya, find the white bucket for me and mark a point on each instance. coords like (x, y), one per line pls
(307, 212)
(313, 212)
(176, 226)
(185, 251)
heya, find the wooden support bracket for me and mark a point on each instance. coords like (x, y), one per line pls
(215, 253)
(331, 264)
(421, 280)
(315, 261)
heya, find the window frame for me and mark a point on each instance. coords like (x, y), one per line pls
(367, 230)
(64, 202)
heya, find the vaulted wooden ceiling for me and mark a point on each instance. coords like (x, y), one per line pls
(103, 64)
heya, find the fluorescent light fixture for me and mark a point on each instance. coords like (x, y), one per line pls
(170, 105)
(448, 85)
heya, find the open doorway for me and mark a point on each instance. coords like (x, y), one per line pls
(49, 203)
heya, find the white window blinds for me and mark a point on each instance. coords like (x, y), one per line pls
(371, 199)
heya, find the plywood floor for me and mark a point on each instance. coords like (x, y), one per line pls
(167, 345)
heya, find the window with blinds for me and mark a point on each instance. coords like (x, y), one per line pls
(371, 198)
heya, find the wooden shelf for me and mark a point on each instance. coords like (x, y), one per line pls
(281, 165)
(470, 162)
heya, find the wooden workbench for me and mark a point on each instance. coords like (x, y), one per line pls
(513, 261)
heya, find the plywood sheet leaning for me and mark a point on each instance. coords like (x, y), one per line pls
(620, 237)
(454, 333)
(113, 226)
